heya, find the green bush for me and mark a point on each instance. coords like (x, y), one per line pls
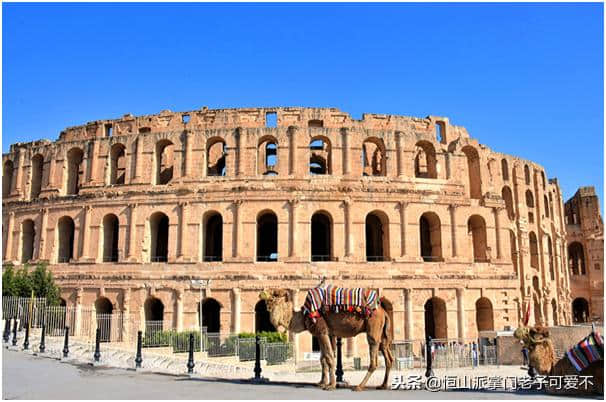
(270, 336)
(23, 281)
(179, 341)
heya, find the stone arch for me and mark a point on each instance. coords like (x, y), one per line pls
(262, 322)
(267, 155)
(216, 157)
(111, 230)
(534, 250)
(159, 228)
(425, 160)
(28, 237)
(213, 236)
(436, 324)
(580, 310)
(373, 157)
(576, 258)
(7, 178)
(117, 164)
(211, 315)
(267, 236)
(154, 309)
(103, 311)
(484, 315)
(377, 236)
(473, 169)
(529, 199)
(508, 198)
(165, 161)
(430, 234)
(476, 227)
(321, 236)
(75, 170)
(37, 176)
(65, 235)
(504, 169)
(320, 155)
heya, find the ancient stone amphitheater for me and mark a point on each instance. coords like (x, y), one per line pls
(131, 213)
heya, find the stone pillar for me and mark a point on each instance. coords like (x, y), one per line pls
(241, 145)
(139, 160)
(51, 172)
(347, 204)
(179, 297)
(293, 337)
(93, 163)
(237, 236)
(8, 253)
(85, 230)
(188, 145)
(346, 152)
(453, 228)
(39, 251)
(403, 205)
(78, 315)
(408, 314)
(19, 180)
(132, 231)
(497, 228)
(182, 229)
(236, 310)
(293, 227)
(461, 313)
(292, 166)
(399, 155)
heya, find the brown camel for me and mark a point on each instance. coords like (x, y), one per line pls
(542, 357)
(378, 328)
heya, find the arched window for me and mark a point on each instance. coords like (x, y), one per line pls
(103, 311)
(546, 202)
(216, 158)
(154, 319)
(484, 315)
(435, 319)
(7, 178)
(111, 228)
(425, 160)
(37, 175)
(159, 225)
(476, 227)
(373, 157)
(430, 237)
(527, 175)
(377, 236)
(321, 237)
(213, 237)
(473, 168)
(117, 164)
(576, 258)
(65, 229)
(262, 322)
(580, 310)
(211, 315)
(508, 198)
(504, 169)
(164, 161)
(267, 237)
(534, 250)
(543, 178)
(550, 252)
(28, 233)
(530, 205)
(320, 156)
(75, 171)
(513, 250)
(267, 156)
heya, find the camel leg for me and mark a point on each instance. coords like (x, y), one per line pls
(323, 380)
(373, 346)
(326, 345)
(385, 349)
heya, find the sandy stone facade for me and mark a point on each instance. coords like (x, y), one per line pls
(461, 238)
(585, 238)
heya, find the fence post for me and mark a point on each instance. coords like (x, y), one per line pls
(257, 358)
(15, 331)
(429, 358)
(190, 359)
(26, 341)
(139, 359)
(339, 370)
(66, 343)
(97, 354)
(7, 330)
(42, 335)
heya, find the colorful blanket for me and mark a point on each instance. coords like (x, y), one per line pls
(331, 298)
(587, 351)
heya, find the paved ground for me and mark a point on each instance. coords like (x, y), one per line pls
(30, 377)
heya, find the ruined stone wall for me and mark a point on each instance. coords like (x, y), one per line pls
(485, 238)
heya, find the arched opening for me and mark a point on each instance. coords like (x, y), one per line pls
(37, 175)
(262, 322)
(104, 310)
(111, 228)
(28, 233)
(319, 156)
(534, 250)
(7, 178)
(435, 319)
(65, 229)
(550, 253)
(117, 164)
(580, 310)
(484, 315)
(473, 169)
(530, 205)
(513, 250)
(159, 225)
(476, 227)
(576, 258)
(546, 202)
(377, 237)
(504, 169)
(267, 237)
(321, 237)
(154, 319)
(75, 171)
(554, 312)
(425, 160)
(216, 158)
(527, 175)
(213, 237)
(373, 157)
(430, 234)
(267, 156)
(164, 161)
(211, 315)
(508, 198)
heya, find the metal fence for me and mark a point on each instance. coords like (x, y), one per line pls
(24, 309)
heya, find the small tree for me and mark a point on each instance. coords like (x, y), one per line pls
(43, 284)
(22, 281)
(8, 281)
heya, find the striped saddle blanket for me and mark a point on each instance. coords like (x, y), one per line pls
(589, 350)
(331, 298)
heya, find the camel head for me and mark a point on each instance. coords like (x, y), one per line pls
(540, 348)
(281, 312)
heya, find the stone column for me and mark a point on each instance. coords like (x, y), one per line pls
(461, 313)
(497, 228)
(78, 315)
(408, 313)
(241, 144)
(403, 205)
(188, 145)
(346, 157)
(293, 227)
(93, 162)
(132, 231)
(8, 253)
(51, 171)
(237, 236)
(399, 155)
(126, 330)
(236, 310)
(19, 181)
(139, 160)
(39, 251)
(179, 297)
(453, 228)
(293, 337)
(182, 229)
(85, 230)
(292, 166)
(347, 204)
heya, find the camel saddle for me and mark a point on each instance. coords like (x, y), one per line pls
(335, 299)
(589, 350)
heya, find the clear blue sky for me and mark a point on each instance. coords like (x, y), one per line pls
(525, 79)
